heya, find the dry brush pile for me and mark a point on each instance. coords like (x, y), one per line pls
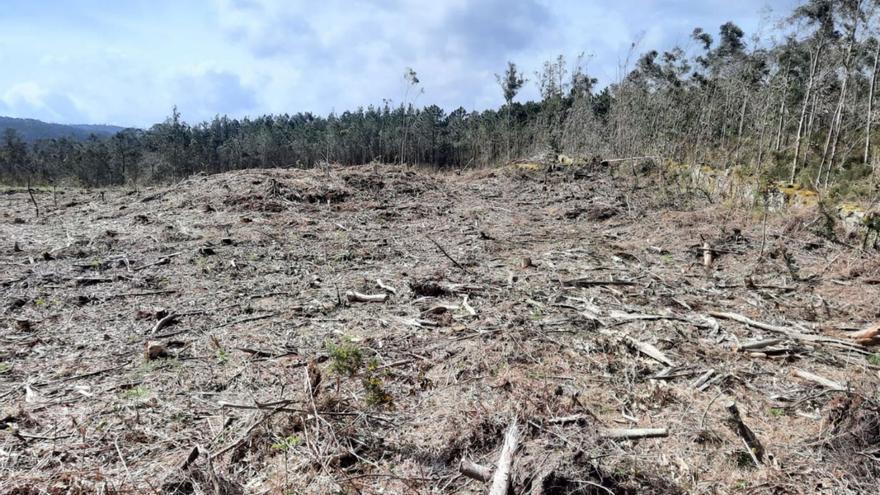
(363, 330)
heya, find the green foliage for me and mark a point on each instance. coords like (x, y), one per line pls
(374, 386)
(874, 359)
(222, 355)
(346, 358)
(5, 368)
(287, 443)
(136, 393)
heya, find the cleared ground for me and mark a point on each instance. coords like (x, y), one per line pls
(200, 338)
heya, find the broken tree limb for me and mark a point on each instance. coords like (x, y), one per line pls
(164, 322)
(353, 296)
(589, 282)
(502, 477)
(650, 351)
(643, 347)
(760, 344)
(474, 471)
(703, 378)
(634, 433)
(386, 288)
(756, 450)
(821, 380)
(866, 336)
(457, 264)
(790, 332)
(161, 261)
(615, 160)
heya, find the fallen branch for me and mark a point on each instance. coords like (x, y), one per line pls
(587, 282)
(633, 433)
(161, 261)
(474, 471)
(650, 351)
(386, 288)
(821, 380)
(789, 332)
(164, 322)
(703, 378)
(447, 255)
(502, 477)
(756, 450)
(760, 344)
(353, 296)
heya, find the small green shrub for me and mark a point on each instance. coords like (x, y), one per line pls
(346, 358)
(287, 443)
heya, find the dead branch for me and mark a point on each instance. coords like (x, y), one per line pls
(760, 344)
(588, 282)
(821, 380)
(33, 199)
(386, 288)
(474, 471)
(457, 264)
(353, 296)
(502, 477)
(756, 450)
(789, 332)
(164, 322)
(634, 433)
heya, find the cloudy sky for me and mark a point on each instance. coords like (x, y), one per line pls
(127, 62)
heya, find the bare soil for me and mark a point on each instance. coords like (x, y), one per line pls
(199, 338)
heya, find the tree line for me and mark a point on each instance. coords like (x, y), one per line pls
(795, 104)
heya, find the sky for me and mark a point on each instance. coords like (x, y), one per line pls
(129, 62)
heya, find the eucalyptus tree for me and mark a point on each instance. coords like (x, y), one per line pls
(511, 82)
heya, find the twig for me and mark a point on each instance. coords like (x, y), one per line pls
(386, 288)
(164, 322)
(447, 254)
(33, 200)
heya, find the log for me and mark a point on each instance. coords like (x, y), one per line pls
(353, 296)
(821, 380)
(633, 433)
(502, 477)
(474, 471)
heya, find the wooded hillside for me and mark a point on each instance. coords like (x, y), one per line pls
(794, 103)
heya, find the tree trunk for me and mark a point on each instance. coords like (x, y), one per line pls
(871, 104)
(799, 138)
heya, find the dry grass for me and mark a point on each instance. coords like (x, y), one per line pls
(257, 263)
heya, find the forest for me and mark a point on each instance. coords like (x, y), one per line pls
(794, 104)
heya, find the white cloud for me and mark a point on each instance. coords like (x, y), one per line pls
(129, 62)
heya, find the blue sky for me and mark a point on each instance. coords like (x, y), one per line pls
(127, 62)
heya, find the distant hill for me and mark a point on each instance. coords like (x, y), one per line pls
(32, 130)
